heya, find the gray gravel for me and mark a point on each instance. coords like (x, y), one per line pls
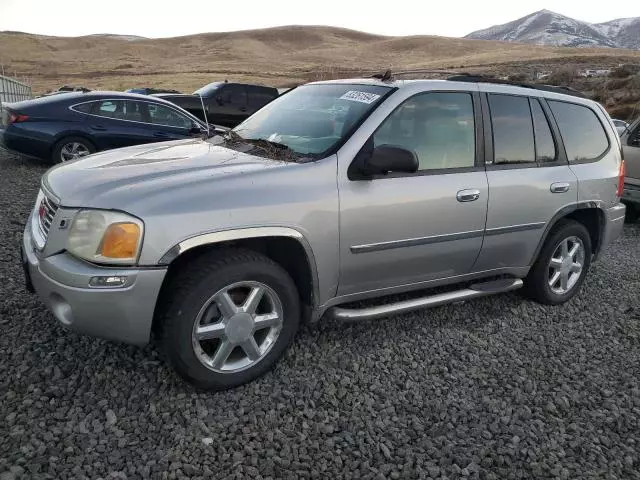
(495, 388)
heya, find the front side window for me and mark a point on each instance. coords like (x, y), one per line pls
(310, 121)
(512, 130)
(163, 115)
(233, 95)
(438, 127)
(582, 133)
(545, 146)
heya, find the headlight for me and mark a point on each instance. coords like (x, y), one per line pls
(102, 236)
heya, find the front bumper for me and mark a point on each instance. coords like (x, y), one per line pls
(613, 226)
(123, 314)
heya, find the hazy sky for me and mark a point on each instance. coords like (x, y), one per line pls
(156, 18)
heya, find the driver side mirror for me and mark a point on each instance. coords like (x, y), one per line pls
(195, 130)
(390, 158)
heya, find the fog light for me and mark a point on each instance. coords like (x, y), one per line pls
(106, 282)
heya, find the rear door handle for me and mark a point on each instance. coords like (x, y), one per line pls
(559, 187)
(469, 195)
(98, 127)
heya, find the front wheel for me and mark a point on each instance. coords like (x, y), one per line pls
(231, 315)
(562, 265)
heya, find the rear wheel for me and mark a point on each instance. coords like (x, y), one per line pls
(71, 148)
(633, 213)
(562, 265)
(231, 315)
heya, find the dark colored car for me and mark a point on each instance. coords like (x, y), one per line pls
(150, 91)
(64, 127)
(226, 104)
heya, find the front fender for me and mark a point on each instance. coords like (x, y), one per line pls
(222, 236)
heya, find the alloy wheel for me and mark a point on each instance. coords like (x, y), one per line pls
(237, 327)
(73, 150)
(566, 264)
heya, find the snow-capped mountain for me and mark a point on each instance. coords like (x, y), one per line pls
(550, 28)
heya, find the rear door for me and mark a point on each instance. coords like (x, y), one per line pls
(631, 150)
(529, 178)
(229, 106)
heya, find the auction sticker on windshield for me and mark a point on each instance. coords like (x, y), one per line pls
(363, 97)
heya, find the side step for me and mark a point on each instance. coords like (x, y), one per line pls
(476, 290)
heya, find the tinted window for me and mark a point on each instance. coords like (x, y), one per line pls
(84, 107)
(163, 115)
(234, 94)
(259, 97)
(439, 127)
(545, 147)
(582, 133)
(512, 129)
(119, 110)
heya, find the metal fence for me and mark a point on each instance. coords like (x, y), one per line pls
(12, 90)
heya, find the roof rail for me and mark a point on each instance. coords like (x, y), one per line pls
(547, 88)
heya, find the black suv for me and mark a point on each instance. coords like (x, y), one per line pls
(226, 104)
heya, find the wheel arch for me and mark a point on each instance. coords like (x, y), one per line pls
(589, 214)
(285, 246)
(69, 134)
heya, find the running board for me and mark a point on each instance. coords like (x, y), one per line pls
(476, 290)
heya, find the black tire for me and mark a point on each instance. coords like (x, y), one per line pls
(536, 285)
(194, 285)
(56, 153)
(632, 214)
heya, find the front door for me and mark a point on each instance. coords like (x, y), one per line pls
(401, 229)
(230, 106)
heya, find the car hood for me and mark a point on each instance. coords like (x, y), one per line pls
(129, 178)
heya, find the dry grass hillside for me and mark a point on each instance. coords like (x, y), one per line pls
(277, 56)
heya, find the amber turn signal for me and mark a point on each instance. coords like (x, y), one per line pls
(120, 241)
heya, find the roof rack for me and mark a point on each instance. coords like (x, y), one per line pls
(547, 88)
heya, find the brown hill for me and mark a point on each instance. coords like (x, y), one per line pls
(277, 56)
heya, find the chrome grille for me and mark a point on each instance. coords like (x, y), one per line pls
(46, 211)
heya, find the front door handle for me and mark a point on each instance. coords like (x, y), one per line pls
(559, 187)
(160, 135)
(469, 195)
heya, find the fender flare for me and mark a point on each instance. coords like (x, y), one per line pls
(221, 236)
(563, 212)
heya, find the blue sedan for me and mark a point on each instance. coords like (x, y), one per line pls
(71, 125)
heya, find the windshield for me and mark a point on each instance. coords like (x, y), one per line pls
(311, 120)
(208, 90)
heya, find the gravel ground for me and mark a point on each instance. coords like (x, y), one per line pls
(495, 388)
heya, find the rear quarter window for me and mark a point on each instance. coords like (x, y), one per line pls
(83, 107)
(582, 132)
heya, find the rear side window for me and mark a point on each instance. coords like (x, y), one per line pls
(83, 107)
(512, 130)
(545, 146)
(583, 135)
(119, 110)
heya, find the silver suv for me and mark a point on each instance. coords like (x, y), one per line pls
(333, 193)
